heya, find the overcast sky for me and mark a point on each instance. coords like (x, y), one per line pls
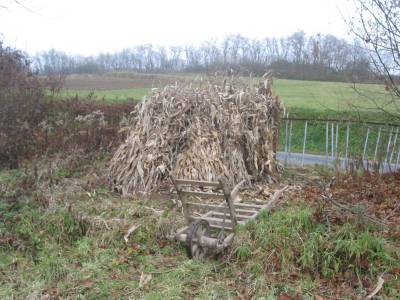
(92, 26)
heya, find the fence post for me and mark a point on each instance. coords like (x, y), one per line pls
(377, 143)
(388, 148)
(304, 143)
(326, 142)
(333, 137)
(286, 140)
(337, 140)
(394, 145)
(365, 145)
(290, 137)
(347, 144)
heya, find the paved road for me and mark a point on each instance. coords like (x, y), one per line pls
(313, 159)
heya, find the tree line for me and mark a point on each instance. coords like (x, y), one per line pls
(298, 56)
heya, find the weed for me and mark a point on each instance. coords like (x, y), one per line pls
(51, 264)
(243, 251)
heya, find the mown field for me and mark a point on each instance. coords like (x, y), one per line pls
(299, 97)
(317, 97)
(302, 99)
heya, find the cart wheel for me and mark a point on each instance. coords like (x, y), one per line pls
(196, 230)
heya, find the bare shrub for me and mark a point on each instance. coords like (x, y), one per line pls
(21, 105)
(34, 124)
(83, 125)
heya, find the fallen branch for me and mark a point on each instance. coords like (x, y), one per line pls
(379, 286)
(161, 272)
(130, 231)
(344, 207)
(155, 211)
(235, 191)
(393, 212)
(144, 280)
(275, 199)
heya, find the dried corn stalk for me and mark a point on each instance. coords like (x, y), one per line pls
(199, 131)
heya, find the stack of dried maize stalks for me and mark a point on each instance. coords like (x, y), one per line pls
(199, 131)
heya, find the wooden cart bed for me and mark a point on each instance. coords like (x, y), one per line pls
(213, 230)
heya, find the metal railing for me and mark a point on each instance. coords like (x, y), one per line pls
(344, 141)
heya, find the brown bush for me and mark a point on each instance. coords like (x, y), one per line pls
(21, 105)
(83, 125)
(34, 124)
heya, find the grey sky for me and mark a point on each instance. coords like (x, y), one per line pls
(90, 27)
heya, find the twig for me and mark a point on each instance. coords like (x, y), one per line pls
(161, 272)
(392, 213)
(235, 190)
(379, 286)
(328, 197)
(275, 198)
(130, 231)
(155, 211)
(334, 202)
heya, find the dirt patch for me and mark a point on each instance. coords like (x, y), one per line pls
(116, 82)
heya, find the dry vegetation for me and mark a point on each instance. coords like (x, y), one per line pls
(32, 124)
(199, 132)
(115, 81)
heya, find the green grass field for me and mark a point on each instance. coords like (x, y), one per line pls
(311, 98)
(328, 97)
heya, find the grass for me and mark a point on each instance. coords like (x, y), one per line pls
(74, 248)
(327, 98)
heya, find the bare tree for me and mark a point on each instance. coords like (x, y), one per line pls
(377, 24)
(7, 4)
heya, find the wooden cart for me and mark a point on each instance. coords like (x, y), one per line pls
(213, 230)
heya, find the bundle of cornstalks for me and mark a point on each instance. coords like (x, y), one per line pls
(199, 131)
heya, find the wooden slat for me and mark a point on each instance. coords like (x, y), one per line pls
(209, 206)
(220, 208)
(228, 228)
(203, 194)
(216, 221)
(251, 206)
(212, 219)
(197, 183)
(245, 211)
(220, 214)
